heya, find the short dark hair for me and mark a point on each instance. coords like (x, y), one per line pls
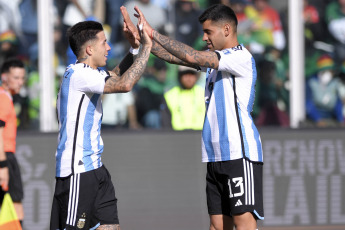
(11, 63)
(81, 33)
(217, 13)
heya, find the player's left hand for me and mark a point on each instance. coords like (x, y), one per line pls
(129, 28)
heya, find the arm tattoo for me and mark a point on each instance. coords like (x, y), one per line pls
(162, 53)
(124, 64)
(126, 82)
(187, 53)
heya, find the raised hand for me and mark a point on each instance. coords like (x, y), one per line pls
(142, 20)
(129, 24)
(131, 36)
(145, 38)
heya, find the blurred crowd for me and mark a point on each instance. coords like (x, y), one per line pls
(171, 97)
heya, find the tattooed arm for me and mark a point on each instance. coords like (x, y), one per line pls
(186, 53)
(162, 53)
(124, 64)
(124, 83)
(180, 50)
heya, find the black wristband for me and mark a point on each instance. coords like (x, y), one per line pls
(3, 164)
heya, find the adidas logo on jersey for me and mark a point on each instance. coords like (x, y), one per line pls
(238, 203)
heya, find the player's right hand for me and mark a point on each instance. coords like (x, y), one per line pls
(142, 20)
(145, 38)
(4, 178)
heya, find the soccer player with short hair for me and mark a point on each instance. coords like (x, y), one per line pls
(231, 143)
(84, 195)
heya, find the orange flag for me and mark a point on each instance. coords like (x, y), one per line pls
(8, 215)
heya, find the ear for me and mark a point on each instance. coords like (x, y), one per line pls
(3, 77)
(89, 50)
(227, 30)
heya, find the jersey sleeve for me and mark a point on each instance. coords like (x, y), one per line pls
(233, 61)
(90, 80)
(5, 104)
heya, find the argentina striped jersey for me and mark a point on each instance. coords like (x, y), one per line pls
(79, 112)
(229, 132)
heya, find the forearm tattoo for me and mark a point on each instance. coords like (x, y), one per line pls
(185, 52)
(162, 53)
(126, 81)
(124, 64)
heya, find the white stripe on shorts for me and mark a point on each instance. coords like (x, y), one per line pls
(245, 181)
(251, 170)
(73, 199)
(248, 182)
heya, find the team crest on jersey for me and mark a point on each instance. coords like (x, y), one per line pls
(81, 221)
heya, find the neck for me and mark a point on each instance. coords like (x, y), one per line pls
(232, 43)
(86, 60)
(6, 88)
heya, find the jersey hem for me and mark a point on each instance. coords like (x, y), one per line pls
(206, 160)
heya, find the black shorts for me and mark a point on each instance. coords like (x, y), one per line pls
(84, 201)
(234, 187)
(15, 185)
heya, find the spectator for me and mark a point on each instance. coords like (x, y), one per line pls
(8, 45)
(149, 95)
(114, 17)
(323, 104)
(119, 111)
(240, 8)
(312, 29)
(266, 29)
(155, 14)
(164, 4)
(342, 86)
(184, 106)
(10, 17)
(188, 29)
(80, 10)
(29, 26)
(272, 94)
(335, 18)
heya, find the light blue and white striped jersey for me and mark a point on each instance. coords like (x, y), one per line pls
(229, 132)
(79, 110)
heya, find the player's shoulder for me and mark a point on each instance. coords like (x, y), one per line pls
(5, 97)
(238, 52)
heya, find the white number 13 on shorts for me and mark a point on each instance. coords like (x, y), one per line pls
(238, 181)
